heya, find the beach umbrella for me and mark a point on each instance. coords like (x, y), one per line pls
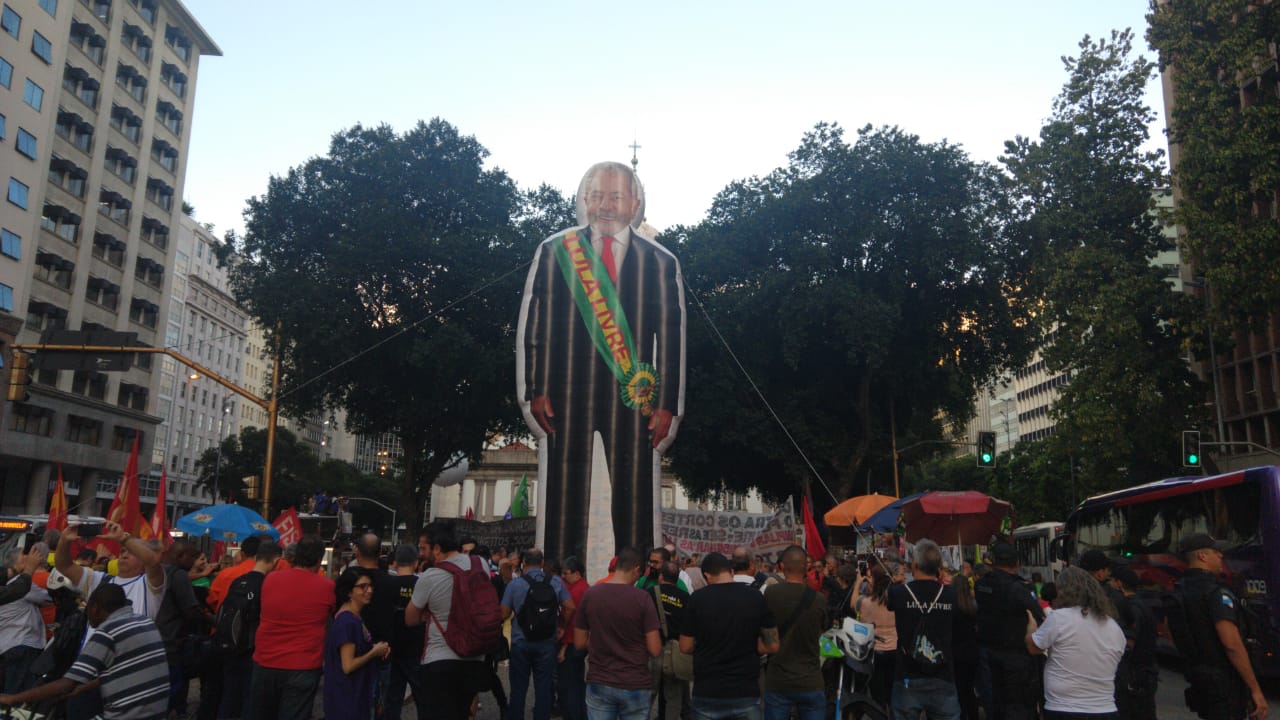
(225, 523)
(954, 518)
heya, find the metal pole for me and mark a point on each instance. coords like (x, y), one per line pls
(893, 445)
(273, 408)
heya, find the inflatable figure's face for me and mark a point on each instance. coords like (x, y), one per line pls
(611, 206)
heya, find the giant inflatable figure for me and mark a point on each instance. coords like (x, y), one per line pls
(600, 371)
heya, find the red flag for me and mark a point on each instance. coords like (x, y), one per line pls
(287, 525)
(124, 509)
(160, 517)
(812, 539)
(58, 505)
(470, 515)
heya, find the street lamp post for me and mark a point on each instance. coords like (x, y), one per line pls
(217, 467)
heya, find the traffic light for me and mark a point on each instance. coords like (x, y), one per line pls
(250, 486)
(19, 377)
(986, 449)
(1191, 448)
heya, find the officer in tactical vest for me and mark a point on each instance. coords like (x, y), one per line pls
(1207, 623)
(1004, 600)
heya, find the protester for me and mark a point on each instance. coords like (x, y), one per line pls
(124, 653)
(793, 679)
(924, 681)
(617, 626)
(384, 617)
(350, 654)
(182, 624)
(296, 607)
(1138, 676)
(1004, 601)
(573, 662)
(535, 655)
(449, 682)
(1084, 644)
(235, 652)
(21, 624)
(652, 577)
(672, 690)
(873, 609)
(222, 581)
(139, 572)
(964, 638)
(726, 627)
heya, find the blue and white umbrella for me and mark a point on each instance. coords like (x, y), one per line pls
(226, 523)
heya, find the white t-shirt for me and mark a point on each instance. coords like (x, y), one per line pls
(1083, 653)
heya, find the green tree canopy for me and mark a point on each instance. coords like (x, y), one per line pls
(393, 268)
(1224, 120)
(866, 288)
(1116, 327)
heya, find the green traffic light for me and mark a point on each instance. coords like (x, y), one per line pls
(1193, 459)
(986, 457)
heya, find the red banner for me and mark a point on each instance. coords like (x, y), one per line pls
(290, 530)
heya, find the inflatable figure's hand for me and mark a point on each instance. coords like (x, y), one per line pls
(660, 425)
(542, 412)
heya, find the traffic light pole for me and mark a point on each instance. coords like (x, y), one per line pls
(1241, 443)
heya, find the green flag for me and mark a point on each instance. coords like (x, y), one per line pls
(520, 501)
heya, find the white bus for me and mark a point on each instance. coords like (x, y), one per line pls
(1037, 552)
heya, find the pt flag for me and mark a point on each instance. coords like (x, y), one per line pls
(812, 538)
(160, 517)
(288, 527)
(58, 505)
(124, 509)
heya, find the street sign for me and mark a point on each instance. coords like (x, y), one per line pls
(88, 361)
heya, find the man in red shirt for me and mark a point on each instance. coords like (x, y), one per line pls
(222, 581)
(289, 650)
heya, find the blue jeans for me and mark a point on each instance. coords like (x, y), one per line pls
(283, 694)
(705, 708)
(538, 658)
(611, 703)
(809, 704)
(935, 697)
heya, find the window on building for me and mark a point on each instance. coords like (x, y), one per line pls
(174, 79)
(6, 298)
(18, 193)
(108, 249)
(121, 164)
(75, 130)
(175, 38)
(10, 21)
(27, 144)
(2, 133)
(6, 73)
(10, 244)
(126, 122)
(33, 95)
(167, 156)
(115, 206)
(93, 45)
(122, 438)
(131, 81)
(67, 175)
(53, 269)
(50, 6)
(147, 9)
(31, 419)
(103, 292)
(135, 38)
(61, 222)
(42, 48)
(83, 430)
(101, 9)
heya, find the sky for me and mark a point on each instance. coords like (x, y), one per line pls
(711, 91)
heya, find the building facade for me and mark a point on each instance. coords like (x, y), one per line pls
(96, 99)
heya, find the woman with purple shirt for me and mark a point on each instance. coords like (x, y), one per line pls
(349, 651)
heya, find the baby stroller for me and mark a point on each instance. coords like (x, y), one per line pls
(852, 645)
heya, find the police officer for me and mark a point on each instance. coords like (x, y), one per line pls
(1137, 675)
(1218, 669)
(1004, 600)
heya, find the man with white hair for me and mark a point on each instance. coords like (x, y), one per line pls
(140, 573)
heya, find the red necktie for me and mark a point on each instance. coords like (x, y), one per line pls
(607, 256)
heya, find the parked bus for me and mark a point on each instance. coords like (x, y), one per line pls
(1141, 527)
(1036, 550)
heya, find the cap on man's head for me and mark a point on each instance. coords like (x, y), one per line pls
(1200, 541)
(1004, 555)
(1093, 561)
(716, 564)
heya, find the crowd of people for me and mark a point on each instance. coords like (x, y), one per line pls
(270, 630)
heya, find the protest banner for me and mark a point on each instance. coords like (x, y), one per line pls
(707, 531)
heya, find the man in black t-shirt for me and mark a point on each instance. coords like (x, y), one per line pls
(1137, 675)
(726, 627)
(384, 616)
(923, 680)
(673, 693)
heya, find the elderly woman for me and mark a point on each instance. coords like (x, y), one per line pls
(1084, 644)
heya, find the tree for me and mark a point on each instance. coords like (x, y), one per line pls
(1224, 121)
(865, 288)
(392, 267)
(1116, 326)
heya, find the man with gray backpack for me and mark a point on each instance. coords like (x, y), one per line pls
(538, 601)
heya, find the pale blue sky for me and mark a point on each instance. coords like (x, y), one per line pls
(712, 91)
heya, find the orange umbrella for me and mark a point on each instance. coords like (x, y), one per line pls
(856, 510)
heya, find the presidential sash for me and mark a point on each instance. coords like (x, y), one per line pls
(597, 300)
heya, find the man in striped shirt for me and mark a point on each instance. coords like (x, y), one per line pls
(125, 652)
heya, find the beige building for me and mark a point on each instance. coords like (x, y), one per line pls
(96, 98)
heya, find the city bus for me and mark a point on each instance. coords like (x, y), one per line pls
(1036, 550)
(1141, 526)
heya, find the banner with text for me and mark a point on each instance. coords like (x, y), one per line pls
(707, 531)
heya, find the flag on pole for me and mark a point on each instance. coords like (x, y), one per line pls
(520, 501)
(58, 505)
(812, 538)
(469, 515)
(124, 509)
(288, 527)
(160, 517)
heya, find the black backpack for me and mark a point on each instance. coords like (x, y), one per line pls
(238, 616)
(539, 616)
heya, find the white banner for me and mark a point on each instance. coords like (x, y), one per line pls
(708, 531)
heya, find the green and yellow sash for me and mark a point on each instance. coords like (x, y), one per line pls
(597, 301)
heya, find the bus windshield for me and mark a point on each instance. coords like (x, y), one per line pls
(1228, 513)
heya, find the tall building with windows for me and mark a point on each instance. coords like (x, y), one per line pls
(95, 102)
